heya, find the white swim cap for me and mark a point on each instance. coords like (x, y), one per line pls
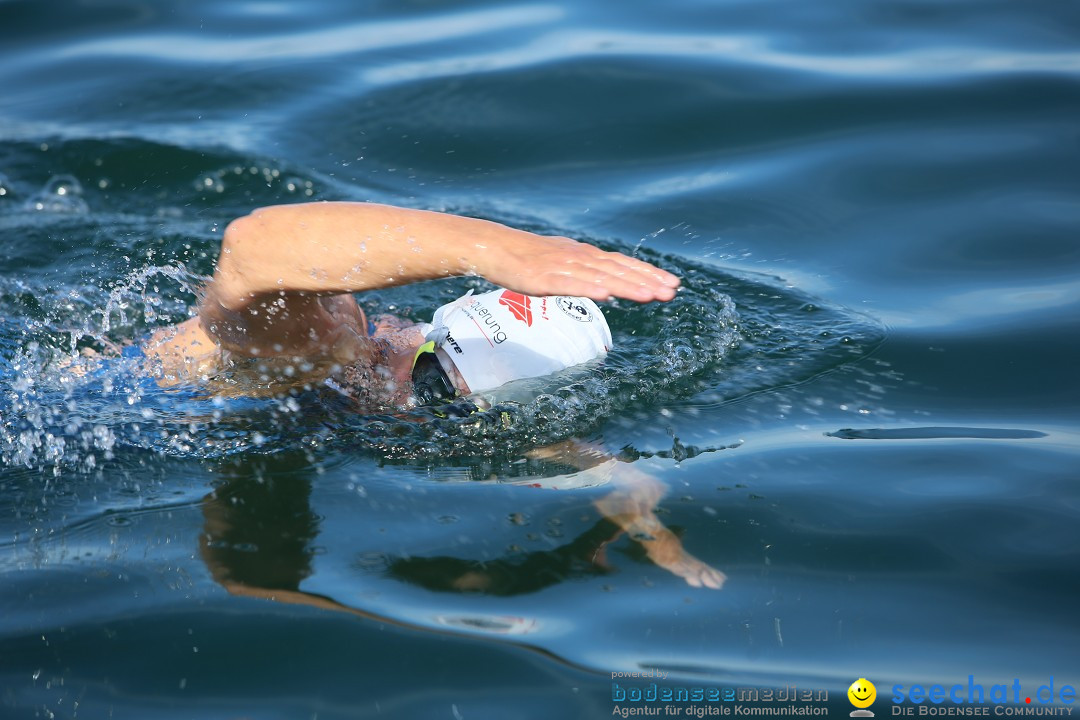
(501, 336)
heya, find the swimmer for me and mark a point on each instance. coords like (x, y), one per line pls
(280, 311)
(281, 303)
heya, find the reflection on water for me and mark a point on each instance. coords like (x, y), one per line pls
(259, 535)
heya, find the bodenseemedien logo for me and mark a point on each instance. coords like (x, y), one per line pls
(862, 694)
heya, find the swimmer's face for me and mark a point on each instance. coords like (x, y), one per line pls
(435, 378)
(862, 693)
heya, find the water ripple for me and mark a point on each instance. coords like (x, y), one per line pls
(745, 50)
(290, 45)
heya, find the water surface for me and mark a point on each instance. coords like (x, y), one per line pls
(863, 405)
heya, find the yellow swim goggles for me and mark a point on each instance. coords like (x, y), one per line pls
(431, 384)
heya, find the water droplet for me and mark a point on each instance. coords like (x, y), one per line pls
(61, 194)
(210, 182)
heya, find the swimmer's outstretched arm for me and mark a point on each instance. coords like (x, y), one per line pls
(337, 247)
(278, 261)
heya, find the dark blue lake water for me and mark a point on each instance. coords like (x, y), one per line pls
(877, 442)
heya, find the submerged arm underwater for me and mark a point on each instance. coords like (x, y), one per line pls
(632, 507)
(277, 529)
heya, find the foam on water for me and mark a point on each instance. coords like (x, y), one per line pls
(73, 390)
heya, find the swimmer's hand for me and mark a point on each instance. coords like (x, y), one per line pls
(666, 550)
(540, 265)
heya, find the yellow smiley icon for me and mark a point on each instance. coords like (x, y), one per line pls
(862, 693)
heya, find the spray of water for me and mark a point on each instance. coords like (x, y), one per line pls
(74, 389)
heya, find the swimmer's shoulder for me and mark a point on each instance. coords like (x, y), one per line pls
(186, 352)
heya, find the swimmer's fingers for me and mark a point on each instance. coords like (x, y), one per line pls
(600, 284)
(538, 265)
(665, 549)
(660, 275)
(593, 285)
(693, 571)
(627, 277)
(711, 577)
(600, 276)
(623, 276)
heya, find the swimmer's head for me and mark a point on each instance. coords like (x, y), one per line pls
(480, 342)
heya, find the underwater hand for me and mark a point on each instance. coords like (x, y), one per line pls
(633, 507)
(542, 265)
(665, 549)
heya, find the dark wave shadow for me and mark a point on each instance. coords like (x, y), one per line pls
(935, 433)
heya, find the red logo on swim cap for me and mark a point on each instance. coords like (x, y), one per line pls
(520, 306)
